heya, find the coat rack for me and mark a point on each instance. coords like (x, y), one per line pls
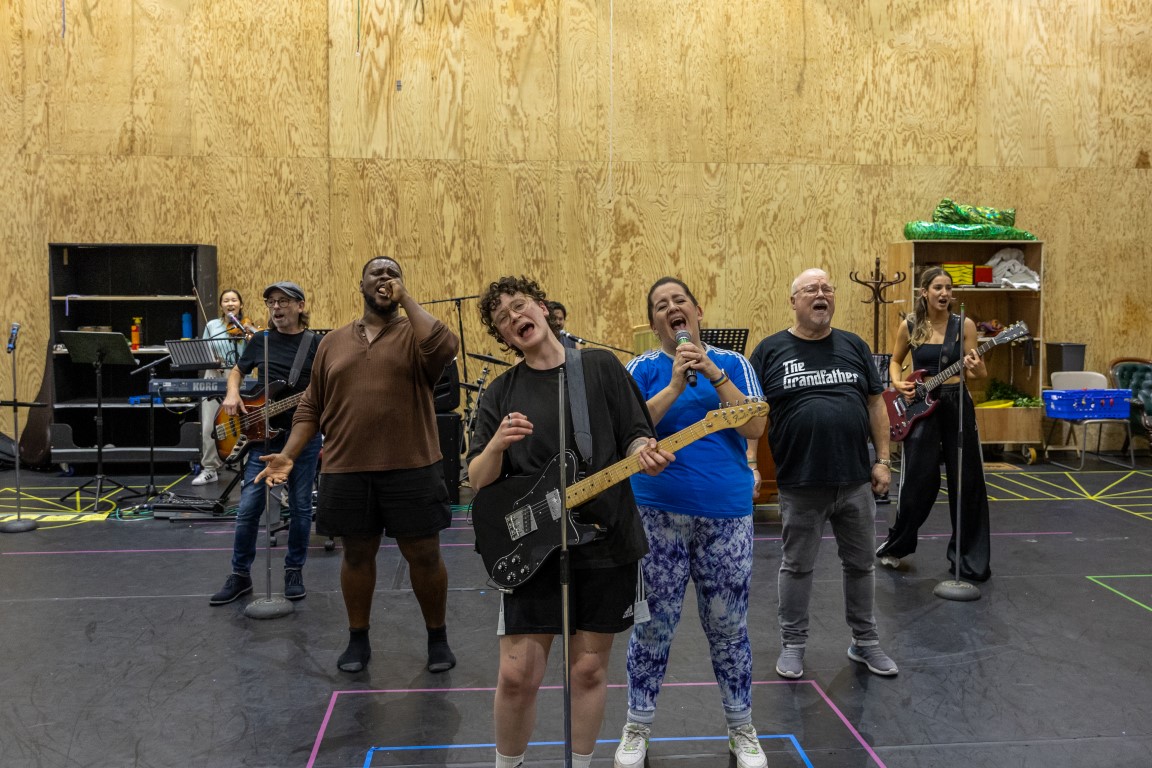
(878, 284)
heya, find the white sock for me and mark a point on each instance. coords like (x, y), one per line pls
(503, 761)
(581, 761)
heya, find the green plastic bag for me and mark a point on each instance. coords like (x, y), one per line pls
(931, 230)
(948, 212)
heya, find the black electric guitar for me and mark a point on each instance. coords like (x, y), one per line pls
(233, 433)
(903, 414)
(517, 519)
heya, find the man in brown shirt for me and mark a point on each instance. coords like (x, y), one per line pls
(371, 395)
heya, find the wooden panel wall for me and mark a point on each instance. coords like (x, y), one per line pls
(733, 144)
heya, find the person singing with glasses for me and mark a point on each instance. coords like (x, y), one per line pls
(823, 394)
(291, 349)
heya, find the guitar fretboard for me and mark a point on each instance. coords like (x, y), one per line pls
(588, 488)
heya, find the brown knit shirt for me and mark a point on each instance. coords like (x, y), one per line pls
(373, 402)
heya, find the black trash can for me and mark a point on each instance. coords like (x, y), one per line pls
(1063, 356)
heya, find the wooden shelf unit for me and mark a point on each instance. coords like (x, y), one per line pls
(1013, 363)
(108, 285)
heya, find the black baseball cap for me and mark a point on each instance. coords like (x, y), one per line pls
(288, 288)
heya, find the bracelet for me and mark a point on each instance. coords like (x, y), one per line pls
(752, 462)
(885, 462)
(723, 377)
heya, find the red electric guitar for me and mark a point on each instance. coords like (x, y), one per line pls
(903, 413)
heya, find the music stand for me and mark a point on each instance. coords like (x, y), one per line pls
(185, 355)
(98, 349)
(734, 339)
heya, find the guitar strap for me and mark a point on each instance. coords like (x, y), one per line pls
(953, 329)
(301, 356)
(578, 402)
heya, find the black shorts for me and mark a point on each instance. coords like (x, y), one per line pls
(400, 503)
(600, 600)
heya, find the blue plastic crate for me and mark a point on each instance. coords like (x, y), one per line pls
(1086, 403)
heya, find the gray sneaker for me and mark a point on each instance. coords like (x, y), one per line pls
(791, 661)
(874, 658)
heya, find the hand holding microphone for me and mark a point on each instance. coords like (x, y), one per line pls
(12, 337)
(684, 337)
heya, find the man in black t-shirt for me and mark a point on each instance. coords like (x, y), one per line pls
(291, 364)
(824, 406)
(517, 433)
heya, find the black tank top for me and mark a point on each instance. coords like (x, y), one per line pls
(928, 357)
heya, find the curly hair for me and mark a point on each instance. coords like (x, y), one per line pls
(510, 286)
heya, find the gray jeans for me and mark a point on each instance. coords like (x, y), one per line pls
(852, 512)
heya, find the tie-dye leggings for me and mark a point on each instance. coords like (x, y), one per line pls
(717, 555)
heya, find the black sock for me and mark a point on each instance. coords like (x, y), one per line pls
(440, 656)
(358, 652)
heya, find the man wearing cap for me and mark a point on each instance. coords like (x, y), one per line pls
(291, 349)
(372, 397)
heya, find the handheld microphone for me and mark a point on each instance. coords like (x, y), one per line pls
(12, 337)
(684, 337)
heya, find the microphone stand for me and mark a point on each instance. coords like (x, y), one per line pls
(565, 619)
(463, 349)
(270, 606)
(579, 340)
(19, 525)
(955, 589)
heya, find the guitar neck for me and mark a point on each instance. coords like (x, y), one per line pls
(587, 489)
(280, 406)
(954, 369)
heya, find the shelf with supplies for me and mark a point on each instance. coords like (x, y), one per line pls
(1020, 363)
(156, 292)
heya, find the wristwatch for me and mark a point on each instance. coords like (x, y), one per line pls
(885, 462)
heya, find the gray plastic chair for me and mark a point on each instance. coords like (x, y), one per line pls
(1073, 380)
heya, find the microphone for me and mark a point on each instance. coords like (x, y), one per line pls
(574, 337)
(12, 337)
(248, 332)
(684, 337)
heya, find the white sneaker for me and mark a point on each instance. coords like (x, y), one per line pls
(890, 562)
(745, 745)
(633, 746)
(205, 477)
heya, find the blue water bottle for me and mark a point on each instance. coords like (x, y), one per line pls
(186, 325)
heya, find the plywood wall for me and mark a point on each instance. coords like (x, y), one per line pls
(595, 145)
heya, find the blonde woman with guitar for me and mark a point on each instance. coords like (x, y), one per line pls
(932, 336)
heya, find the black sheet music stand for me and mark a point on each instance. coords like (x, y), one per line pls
(98, 349)
(193, 355)
(734, 339)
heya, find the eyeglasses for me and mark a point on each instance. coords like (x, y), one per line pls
(812, 290)
(504, 317)
(274, 303)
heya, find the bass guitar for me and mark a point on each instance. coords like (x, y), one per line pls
(233, 433)
(903, 413)
(517, 520)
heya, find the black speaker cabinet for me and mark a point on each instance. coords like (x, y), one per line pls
(449, 425)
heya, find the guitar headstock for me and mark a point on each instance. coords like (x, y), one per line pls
(1017, 330)
(735, 415)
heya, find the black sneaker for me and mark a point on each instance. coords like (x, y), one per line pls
(294, 584)
(236, 586)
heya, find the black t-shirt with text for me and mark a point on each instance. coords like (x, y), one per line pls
(817, 393)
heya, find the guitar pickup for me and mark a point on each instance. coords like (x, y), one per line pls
(520, 522)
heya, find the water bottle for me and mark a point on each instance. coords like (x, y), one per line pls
(186, 325)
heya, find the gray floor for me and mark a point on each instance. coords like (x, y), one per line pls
(111, 655)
